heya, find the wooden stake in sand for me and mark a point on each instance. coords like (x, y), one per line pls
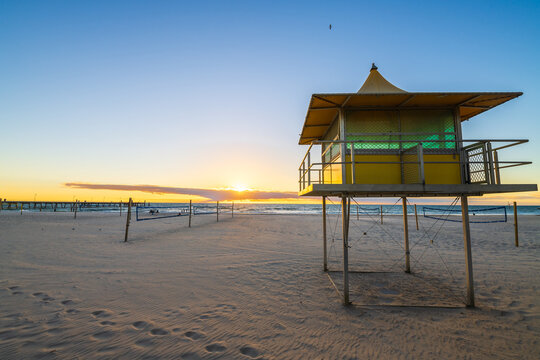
(189, 224)
(21, 208)
(75, 215)
(381, 215)
(232, 209)
(128, 218)
(516, 225)
(217, 211)
(406, 236)
(120, 208)
(416, 216)
(325, 256)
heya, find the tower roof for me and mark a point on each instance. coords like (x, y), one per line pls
(377, 93)
(377, 84)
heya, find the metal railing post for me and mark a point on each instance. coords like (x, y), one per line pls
(421, 164)
(352, 164)
(309, 167)
(304, 174)
(486, 163)
(496, 163)
(491, 168)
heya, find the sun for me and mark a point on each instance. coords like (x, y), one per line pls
(239, 187)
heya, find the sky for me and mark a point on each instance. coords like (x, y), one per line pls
(213, 95)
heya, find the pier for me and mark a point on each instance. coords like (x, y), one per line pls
(62, 205)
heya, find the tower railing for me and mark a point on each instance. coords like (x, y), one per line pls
(478, 161)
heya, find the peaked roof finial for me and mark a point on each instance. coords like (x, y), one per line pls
(377, 84)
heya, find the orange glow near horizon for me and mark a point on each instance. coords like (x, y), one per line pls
(46, 191)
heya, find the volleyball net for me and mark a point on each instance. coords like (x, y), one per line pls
(494, 214)
(149, 212)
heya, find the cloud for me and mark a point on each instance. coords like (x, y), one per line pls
(210, 194)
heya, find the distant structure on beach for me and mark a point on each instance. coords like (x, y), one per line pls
(384, 141)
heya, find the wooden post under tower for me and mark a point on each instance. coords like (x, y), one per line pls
(345, 209)
(325, 254)
(468, 255)
(406, 236)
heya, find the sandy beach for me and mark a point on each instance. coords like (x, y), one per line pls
(252, 287)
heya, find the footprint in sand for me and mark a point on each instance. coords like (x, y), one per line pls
(249, 351)
(107, 322)
(140, 325)
(158, 332)
(215, 348)
(193, 335)
(101, 313)
(43, 296)
(14, 290)
(67, 302)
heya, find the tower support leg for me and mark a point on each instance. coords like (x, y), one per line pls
(468, 254)
(345, 223)
(406, 236)
(325, 254)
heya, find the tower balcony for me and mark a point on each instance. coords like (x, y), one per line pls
(437, 167)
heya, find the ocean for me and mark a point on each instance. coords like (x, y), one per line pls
(312, 209)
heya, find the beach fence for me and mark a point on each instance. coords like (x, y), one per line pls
(149, 212)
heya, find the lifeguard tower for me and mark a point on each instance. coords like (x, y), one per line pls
(386, 142)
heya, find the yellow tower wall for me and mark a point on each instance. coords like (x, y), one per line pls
(387, 170)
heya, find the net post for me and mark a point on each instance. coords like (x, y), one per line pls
(75, 209)
(120, 204)
(21, 208)
(468, 255)
(357, 213)
(406, 236)
(189, 223)
(217, 211)
(128, 218)
(416, 216)
(325, 255)
(516, 225)
(381, 215)
(232, 209)
(345, 207)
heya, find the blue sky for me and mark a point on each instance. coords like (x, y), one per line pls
(214, 94)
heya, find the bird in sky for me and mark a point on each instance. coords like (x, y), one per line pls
(330, 27)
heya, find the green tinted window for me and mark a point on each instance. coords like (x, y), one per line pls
(380, 130)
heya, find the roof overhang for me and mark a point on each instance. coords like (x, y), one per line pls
(324, 108)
